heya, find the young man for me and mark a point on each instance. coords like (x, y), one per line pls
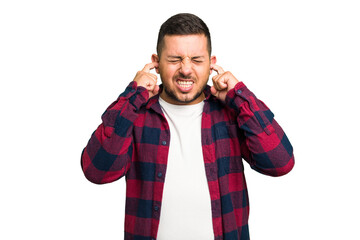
(180, 145)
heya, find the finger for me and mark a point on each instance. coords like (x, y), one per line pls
(150, 66)
(223, 82)
(149, 85)
(156, 89)
(217, 68)
(215, 78)
(215, 84)
(153, 77)
(219, 82)
(214, 91)
(216, 81)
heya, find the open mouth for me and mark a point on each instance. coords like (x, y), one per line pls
(185, 85)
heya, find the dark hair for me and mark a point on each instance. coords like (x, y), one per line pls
(183, 24)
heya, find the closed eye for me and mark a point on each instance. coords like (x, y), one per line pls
(174, 59)
(197, 59)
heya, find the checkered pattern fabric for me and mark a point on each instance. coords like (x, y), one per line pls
(133, 141)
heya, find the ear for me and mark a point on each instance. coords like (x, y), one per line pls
(213, 61)
(155, 58)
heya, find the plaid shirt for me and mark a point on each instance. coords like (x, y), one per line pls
(133, 141)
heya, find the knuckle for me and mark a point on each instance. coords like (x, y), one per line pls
(229, 73)
(153, 77)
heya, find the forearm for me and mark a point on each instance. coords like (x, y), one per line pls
(108, 154)
(266, 146)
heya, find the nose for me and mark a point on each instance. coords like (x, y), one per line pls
(186, 67)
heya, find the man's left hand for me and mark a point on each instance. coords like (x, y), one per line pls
(222, 83)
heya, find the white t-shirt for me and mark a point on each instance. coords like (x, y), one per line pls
(186, 204)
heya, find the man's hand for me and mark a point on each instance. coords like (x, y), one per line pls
(148, 80)
(222, 83)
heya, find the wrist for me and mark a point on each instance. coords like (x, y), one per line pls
(136, 95)
(232, 94)
(232, 84)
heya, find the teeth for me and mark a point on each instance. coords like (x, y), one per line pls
(185, 83)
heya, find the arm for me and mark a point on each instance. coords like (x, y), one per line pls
(108, 154)
(266, 147)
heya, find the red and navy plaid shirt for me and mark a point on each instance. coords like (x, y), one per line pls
(133, 141)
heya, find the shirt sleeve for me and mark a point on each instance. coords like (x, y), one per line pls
(266, 147)
(108, 154)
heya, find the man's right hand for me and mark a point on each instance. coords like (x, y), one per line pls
(148, 80)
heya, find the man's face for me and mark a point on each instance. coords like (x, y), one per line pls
(184, 68)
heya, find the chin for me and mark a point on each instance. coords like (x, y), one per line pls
(180, 97)
(188, 98)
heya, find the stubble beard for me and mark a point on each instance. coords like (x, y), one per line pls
(171, 94)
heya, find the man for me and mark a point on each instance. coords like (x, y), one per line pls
(180, 145)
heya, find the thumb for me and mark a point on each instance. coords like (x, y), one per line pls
(214, 91)
(156, 89)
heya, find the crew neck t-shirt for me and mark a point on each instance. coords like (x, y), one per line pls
(186, 206)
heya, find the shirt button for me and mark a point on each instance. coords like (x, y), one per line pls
(159, 174)
(164, 143)
(239, 92)
(156, 208)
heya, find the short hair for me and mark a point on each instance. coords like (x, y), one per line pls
(183, 24)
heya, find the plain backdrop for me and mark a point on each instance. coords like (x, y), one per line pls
(63, 62)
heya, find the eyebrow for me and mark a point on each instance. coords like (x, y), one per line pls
(177, 57)
(197, 57)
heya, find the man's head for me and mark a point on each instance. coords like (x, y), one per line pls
(184, 50)
(183, 24)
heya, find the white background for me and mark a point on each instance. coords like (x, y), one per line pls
(63, 62)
